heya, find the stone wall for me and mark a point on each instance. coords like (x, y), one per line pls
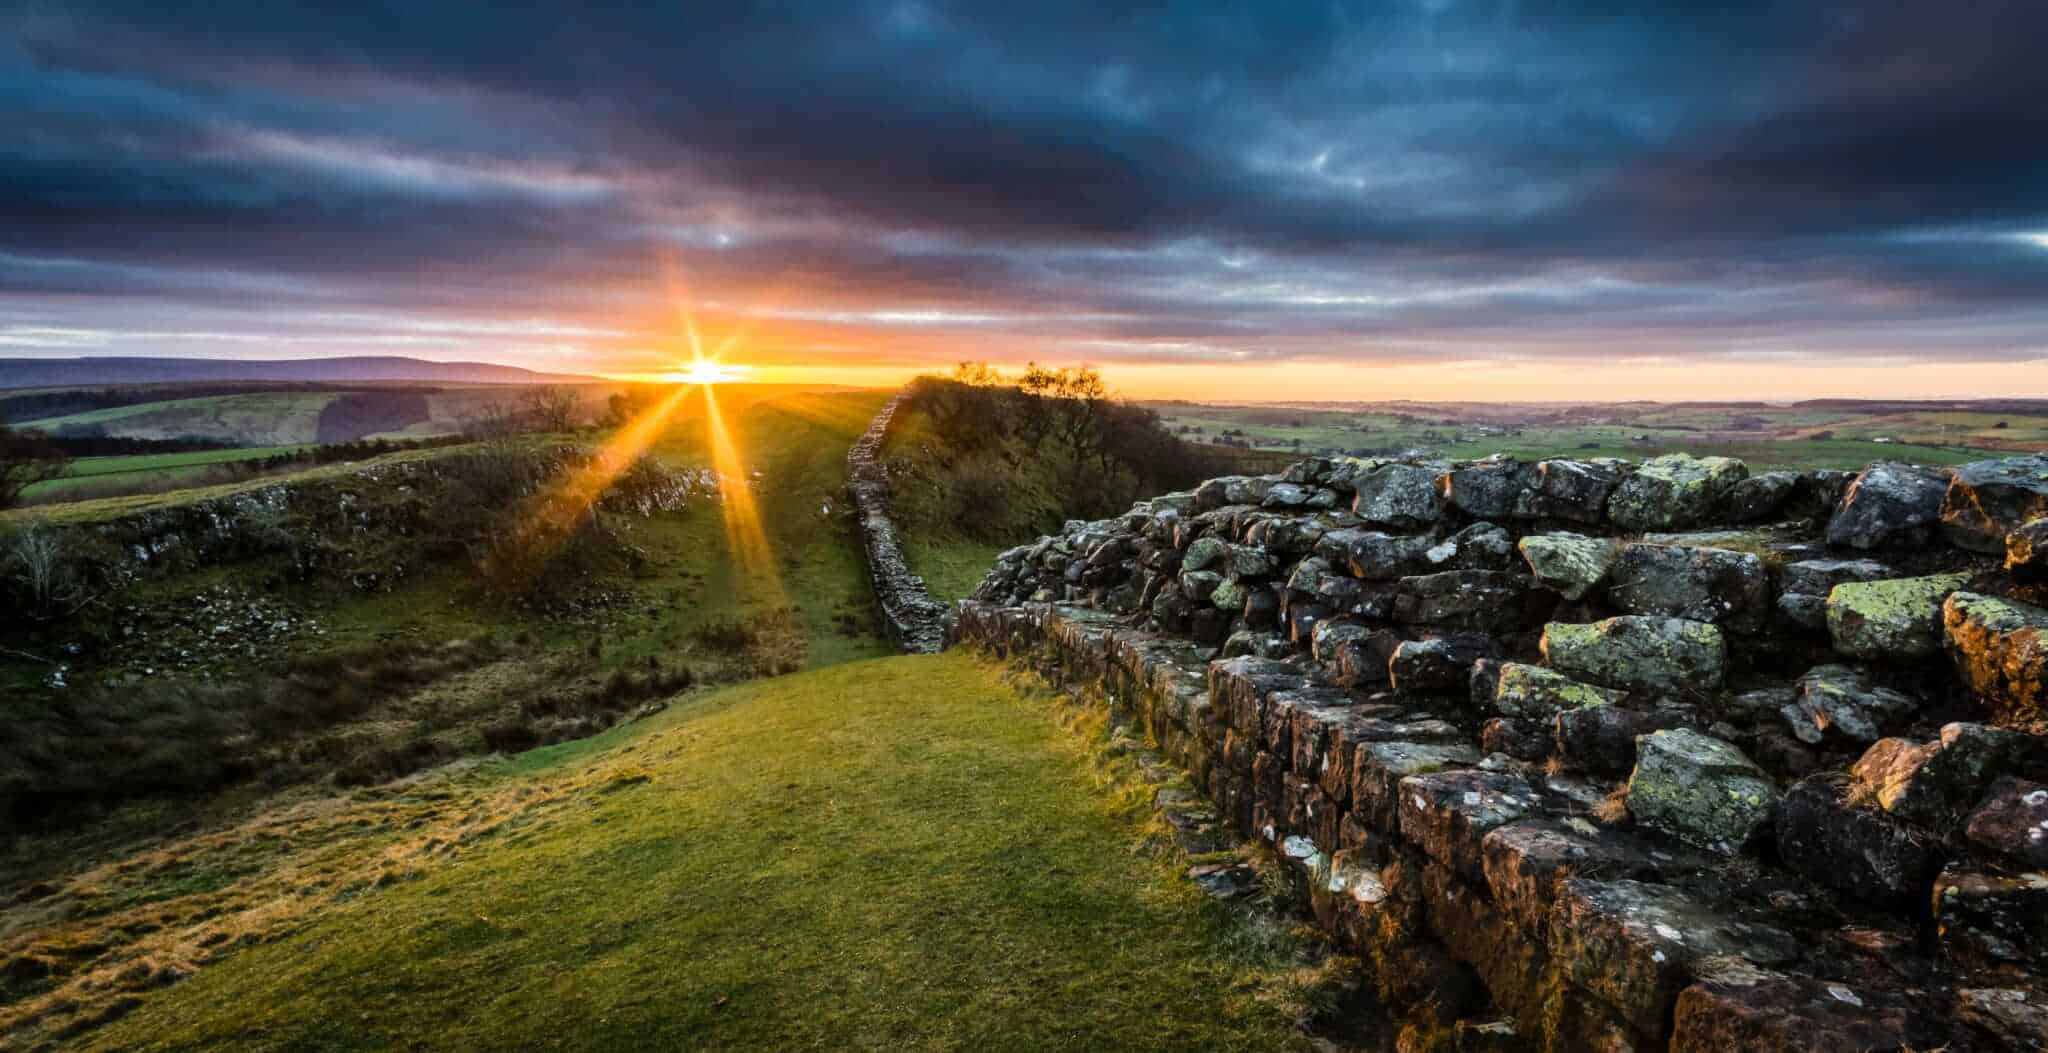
(1642, 756)
(909, 614)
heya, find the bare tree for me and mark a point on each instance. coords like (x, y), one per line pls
(26, 458)
(550, 407)
(41, 563)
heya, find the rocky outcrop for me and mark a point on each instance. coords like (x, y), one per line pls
(909, 614)
(1642, 824)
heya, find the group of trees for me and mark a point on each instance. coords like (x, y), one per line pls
(1109, 451)
(26, 458)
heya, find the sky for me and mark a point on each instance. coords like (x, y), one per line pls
(1248, 201)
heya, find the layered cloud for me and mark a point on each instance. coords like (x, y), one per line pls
(909, 183)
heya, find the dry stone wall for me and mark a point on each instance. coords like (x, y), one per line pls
(1668, 755)
(909, 614)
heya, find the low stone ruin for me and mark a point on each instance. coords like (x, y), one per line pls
(1606, 756)
(915, 621)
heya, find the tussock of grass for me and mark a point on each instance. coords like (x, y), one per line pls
(900, 853)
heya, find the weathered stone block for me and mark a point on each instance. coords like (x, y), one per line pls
(1570, 490)
(1989, 915)
(1738, 1007)
(1400, 496)
(2012, 822)
(1888, 503)
(1634, 652)
(1700, 790)
(1760, 497)
(1986, 500)
(1524, 862)
(1673, 492)
(1635, 946)
(1488, 489)
(1442, 664)
(1701, 584)
(1481, 600)
(1447, 813)
(1379, 767)
(1843, 703)
(1803, 586)
(1858, 850)
(1571, 565)
(2000, 648)
(1936, 783)
(1602, 739)
(1531, 691)
(1897, 619)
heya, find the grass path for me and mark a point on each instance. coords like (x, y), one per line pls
(900, 853)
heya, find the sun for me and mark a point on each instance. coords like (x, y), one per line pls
(708, 371)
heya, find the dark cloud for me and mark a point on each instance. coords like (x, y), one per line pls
(1270, 180)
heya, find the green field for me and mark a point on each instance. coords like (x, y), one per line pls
(1766, 437)
(891, 854)
(190, 466)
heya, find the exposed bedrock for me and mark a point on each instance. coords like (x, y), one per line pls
(1769, 779)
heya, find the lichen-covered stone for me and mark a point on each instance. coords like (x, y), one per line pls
(1700, 790)
(1531, 691)
(1986, 500)
(1447, 813)
(1702, 584)
(2000, 649)
(1888, 503)
(1896, 619)
(2012, 822)
(1803, 586)
(1993, 916)
(1935, 783)
(1639, 653)
(2010, 1017)
(1399, 496)
(1674, 491)
(1858, 850)
(1843, 702)
(1572, 565)
(1377, 769)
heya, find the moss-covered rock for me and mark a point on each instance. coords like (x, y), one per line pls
(1700, 790)
(1674, 491)
(2000, 649)
(1571, 565)
(1895, 619)
(1520, 690)
(1639, 653)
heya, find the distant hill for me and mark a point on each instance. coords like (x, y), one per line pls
(66, 372)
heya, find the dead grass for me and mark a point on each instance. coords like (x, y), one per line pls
(1613, 808)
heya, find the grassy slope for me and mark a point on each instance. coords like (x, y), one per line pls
(898, 854)
(951, 562)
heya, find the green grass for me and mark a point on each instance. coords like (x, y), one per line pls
(264, 418)
(86, 472)
(901, 854)
(951, 567)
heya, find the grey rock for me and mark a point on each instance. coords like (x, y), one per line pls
(1486, 601)
(1761, 497)
(1857, 850)
(1993, 917)
(2026, 551)
(1888, 503)
(1841, 702)
(1700, 790)
(1700, 584)
(1986, 500)
(1488, 489)
(1441, 664)
(1399, 496)
(1639, 653)
(1804, 586)
(1674, 492)
(1571, 565)
(1569, 490)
